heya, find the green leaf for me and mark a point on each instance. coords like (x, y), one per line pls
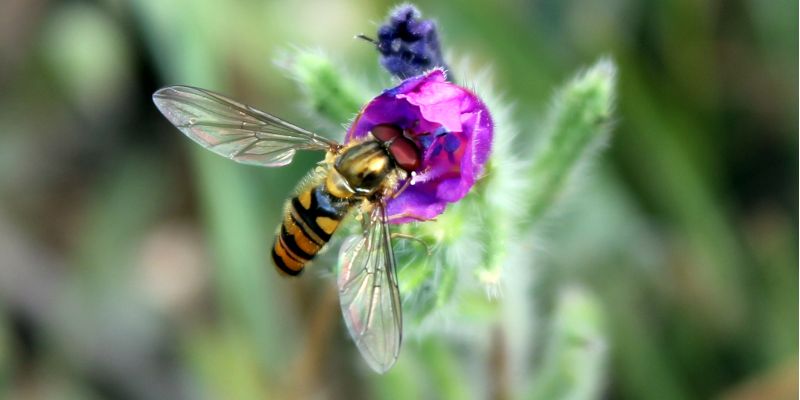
(332, 94)
(577, 123)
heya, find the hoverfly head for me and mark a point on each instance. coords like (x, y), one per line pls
(403, 151)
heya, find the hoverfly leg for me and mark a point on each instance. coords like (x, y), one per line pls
(405, 186)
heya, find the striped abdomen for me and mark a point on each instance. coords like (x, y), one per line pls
(311, 218)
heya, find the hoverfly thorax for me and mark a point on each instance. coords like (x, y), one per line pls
(364, 167)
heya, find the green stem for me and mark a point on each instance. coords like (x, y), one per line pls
(576, 356)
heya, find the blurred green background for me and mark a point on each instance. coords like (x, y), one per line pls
(133, 265)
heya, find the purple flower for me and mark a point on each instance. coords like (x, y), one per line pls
(452, 129)
(409, 46)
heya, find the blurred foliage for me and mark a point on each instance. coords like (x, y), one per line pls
(135, 265)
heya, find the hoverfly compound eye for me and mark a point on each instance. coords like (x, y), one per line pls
(405, 154)
(403, 150)
(386, 133)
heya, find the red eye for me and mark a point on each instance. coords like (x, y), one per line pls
(405, 153)
(386, 133)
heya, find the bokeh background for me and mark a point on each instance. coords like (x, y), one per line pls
(134, 266)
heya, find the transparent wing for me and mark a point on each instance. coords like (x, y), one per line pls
(235, 130)
(368, 292)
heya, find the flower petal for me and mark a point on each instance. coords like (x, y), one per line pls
(451, 126)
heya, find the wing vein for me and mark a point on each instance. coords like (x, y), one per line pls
(234, 130)
(369, 294)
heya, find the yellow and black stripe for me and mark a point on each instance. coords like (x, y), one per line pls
(310, 220)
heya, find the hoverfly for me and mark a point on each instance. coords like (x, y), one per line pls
(357, 177)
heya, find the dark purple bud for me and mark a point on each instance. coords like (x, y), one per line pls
(409, 46)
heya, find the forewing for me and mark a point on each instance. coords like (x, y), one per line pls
(235, 130)
(368, 292)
